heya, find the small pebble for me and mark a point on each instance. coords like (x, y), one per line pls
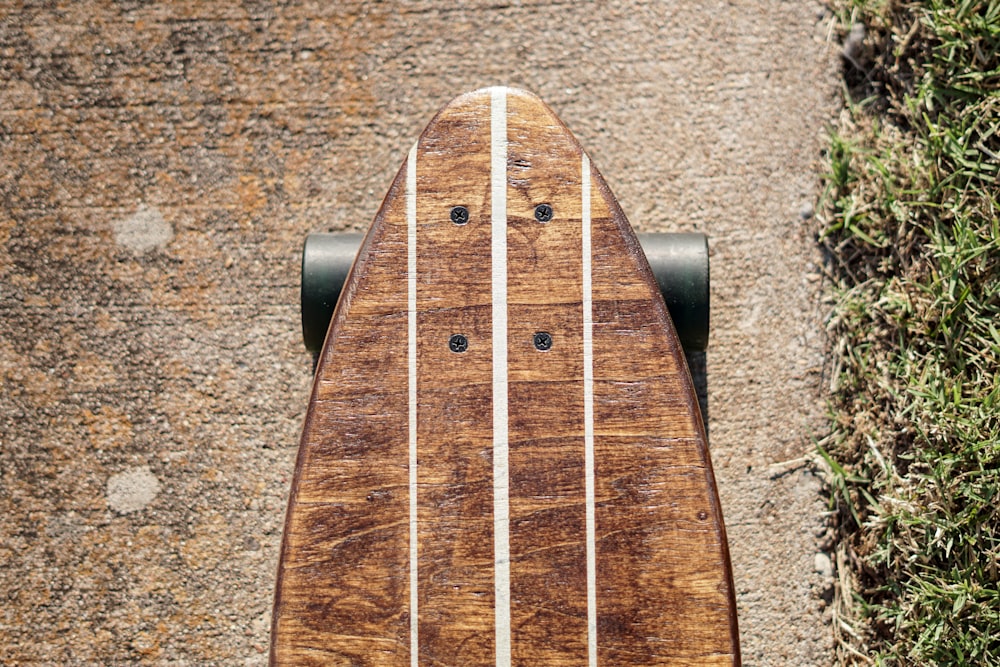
(854, 42)
(824, 565)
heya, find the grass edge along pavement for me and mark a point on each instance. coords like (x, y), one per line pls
(909, 218)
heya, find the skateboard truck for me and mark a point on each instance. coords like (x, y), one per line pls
(679, 263)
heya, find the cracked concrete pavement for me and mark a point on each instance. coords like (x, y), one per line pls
(160, 164)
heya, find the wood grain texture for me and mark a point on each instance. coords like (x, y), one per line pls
(664, 595)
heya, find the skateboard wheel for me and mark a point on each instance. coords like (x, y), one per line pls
(326, 261)
(680, 265)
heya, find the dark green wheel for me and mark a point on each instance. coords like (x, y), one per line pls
(326, 261)
(680, 266)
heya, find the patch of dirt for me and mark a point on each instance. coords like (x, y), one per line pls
(162, 165)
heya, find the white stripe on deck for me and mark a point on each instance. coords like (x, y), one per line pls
(588, 418)
(411, 322)
(501, 485)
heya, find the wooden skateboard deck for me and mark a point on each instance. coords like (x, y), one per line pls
(503, 461)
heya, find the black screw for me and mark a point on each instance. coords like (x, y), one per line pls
(543, 340)
(543, 213)
(458, 343)
(460, 215)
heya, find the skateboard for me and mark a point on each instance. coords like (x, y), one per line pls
(503, 461)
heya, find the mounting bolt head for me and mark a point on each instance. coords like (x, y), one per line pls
(458, 343)
(542, 340)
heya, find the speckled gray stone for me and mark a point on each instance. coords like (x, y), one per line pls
(132, 490)
(143, 230)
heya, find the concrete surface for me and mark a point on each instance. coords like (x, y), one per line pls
(159, 167)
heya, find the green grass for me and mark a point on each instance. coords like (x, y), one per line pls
(910, 214)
